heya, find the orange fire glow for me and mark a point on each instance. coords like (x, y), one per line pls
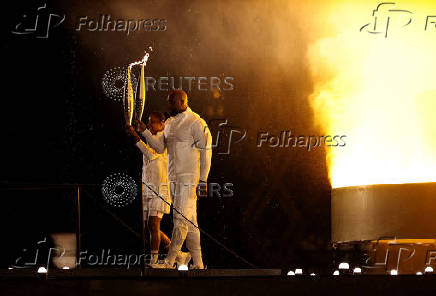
(378, 90)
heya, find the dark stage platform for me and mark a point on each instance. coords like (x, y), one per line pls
(90, 273)
(209, 282)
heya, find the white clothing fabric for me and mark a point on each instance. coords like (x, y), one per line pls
(189, 146)
(155, 175)
(152, 214)
(188, 142)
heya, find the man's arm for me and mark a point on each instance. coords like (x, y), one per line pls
(203, 142)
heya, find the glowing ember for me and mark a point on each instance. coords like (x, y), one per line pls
(379, 90)
(143, 61)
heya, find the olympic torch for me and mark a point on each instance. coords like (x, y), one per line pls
(129, 103)
(134, 107)
(140, 101)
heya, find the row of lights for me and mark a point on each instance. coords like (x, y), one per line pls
(346, 266)
(298, 271)
(42, 269)
(427, 270)
(357, 270)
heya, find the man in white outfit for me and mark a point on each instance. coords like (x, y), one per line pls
(189, 146)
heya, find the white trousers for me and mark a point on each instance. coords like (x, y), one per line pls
(183, 190)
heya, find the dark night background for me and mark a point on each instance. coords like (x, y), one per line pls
(59, 127)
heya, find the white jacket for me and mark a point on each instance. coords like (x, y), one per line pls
(155, 175)
(189, 145)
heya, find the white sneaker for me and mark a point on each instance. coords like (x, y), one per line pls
(197, 267)
(164, 265)
(183, 258)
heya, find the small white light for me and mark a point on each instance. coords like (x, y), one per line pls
(298, 271)
(428, 269)
(183, 267)
(336, 272)
(290, 273)
(344, 265)
(65, 267)
(357, 270)
(312, 274)
(42, 270)
(419, 273)
(10, 268)
(394, 272)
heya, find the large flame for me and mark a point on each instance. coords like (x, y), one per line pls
(380, 92)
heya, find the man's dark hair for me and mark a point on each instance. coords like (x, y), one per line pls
(178, 94)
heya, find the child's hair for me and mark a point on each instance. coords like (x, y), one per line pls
(158, 115)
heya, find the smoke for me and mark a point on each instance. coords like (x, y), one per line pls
(263, 45)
